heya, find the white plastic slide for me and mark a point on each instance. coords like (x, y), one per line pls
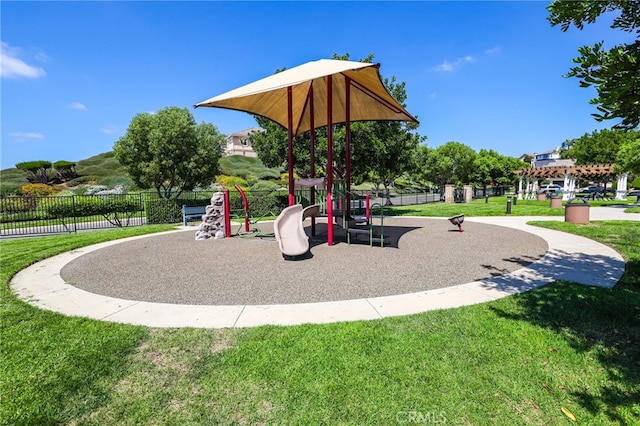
(289, 230)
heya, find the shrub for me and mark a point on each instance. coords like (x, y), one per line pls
(37, 171)
(261, 203)
(13, 205)
(80, 180)
(39, 190)
(263, 185)
(113, 209)
(62, 164)
(231, 181)
(251, 180)
(123, 181)
(9, 189)
(268, 204)
(91, 189)
(91, 206)
(162, 210)
(65, 170)
(285, 176)
(268, 174)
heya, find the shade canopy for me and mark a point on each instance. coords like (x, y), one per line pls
(369, 99)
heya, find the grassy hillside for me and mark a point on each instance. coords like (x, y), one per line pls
(238, 165)
(104, 169)
(11, 180)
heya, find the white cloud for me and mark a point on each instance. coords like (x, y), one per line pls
(11, 66)
(447, 66)
(433, 95)
(22, 137)
(108, 130)
(78, 106)
(42, 57)
(493, 51)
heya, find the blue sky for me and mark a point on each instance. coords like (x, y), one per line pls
(486, 74)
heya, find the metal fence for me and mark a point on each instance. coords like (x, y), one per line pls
(33, 215)
(395, 197)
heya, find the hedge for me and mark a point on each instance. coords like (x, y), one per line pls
(261, 204)
(162, 210)
(111, 208)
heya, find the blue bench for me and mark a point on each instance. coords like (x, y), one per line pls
(195, 212)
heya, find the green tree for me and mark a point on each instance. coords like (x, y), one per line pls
(598, 147)
(65, 170)
(271, 146)
(168, 151)
(492, 168)
(615, 73)
(450, 163)
(628, 157)
(37, 171)
(383, 151)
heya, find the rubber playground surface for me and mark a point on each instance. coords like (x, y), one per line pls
(421, 254)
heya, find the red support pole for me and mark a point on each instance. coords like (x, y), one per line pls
(329, 160)
(292, 199)
(312, 135)
(227, 214)
(312, 155)
(329, 219)
(347, 111)
(368, 207)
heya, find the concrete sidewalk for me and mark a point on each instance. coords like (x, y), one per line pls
(569, 257)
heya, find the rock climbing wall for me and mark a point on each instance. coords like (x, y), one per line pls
(212, 225)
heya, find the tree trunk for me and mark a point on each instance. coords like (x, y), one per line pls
(387, 194)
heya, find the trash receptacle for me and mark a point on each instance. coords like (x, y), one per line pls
(542, 196)
(556, 202)
(576, 211)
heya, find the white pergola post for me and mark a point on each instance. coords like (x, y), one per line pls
(621, 191)
(534, 189)
(520, 188)
(569, 189)
(527, 194)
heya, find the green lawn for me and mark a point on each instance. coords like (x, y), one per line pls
(519, 360)
(496, 206)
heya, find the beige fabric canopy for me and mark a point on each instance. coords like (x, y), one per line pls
(369, 99)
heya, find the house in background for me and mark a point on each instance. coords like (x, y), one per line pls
(239, 143)
(547, 159)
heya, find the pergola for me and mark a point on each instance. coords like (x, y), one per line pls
(570, 174)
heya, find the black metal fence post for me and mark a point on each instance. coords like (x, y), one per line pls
(74, 215)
